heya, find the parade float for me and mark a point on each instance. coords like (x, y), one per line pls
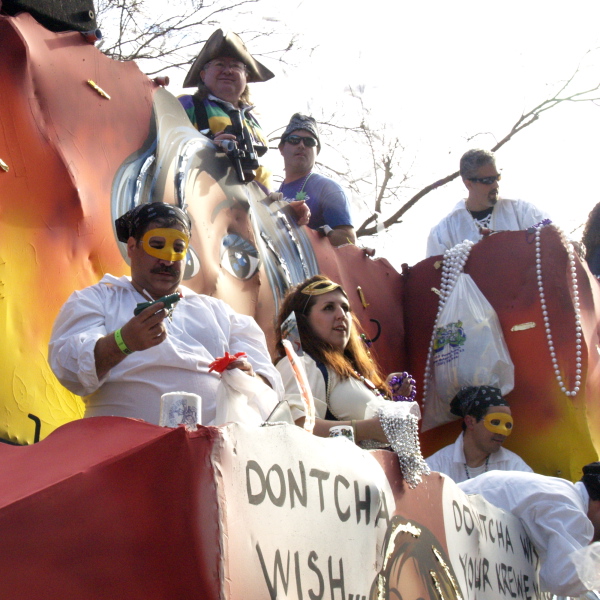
(118, 508)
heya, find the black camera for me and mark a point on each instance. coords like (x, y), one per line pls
(242, 152)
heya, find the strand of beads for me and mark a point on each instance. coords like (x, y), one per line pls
(575, 296)
(454, 262)
(401, 427)
(396, 382)
(368, 342)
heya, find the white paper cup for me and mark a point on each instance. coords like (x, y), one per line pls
(342, 431)
(180, 408)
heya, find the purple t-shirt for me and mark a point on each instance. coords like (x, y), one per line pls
(326, 199)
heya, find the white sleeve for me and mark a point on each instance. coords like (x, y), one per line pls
(434, 462)
(530, 215)
(564, 532)
(246, 336)
(79, 325)
(520, 465)
(316, 381)
(442, 461)
(435, 246)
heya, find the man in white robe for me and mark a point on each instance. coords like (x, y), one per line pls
(559, 516)
(483, 211)
(122, 364)
(487, 422)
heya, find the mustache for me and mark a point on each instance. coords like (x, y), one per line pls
(169, 270)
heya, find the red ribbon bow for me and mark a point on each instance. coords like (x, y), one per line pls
(220, 364)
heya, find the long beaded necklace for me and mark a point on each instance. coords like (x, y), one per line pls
(575, 296)
(454, 261)
(301, 195)
(487, 463)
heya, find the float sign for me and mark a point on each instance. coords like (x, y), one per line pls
(305, 517)
(492, 555)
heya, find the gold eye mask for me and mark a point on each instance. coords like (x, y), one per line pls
(499, 423)
(166, 244)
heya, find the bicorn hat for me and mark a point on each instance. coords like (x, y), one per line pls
(226, 44)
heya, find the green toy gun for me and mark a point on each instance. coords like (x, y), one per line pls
(169, 301)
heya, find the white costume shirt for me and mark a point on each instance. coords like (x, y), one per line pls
(202, 329)
(458, 225)
(451, 461)
(554, 514)
(348, 398)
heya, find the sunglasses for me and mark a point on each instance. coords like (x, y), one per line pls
(294, 140)
(486, 180)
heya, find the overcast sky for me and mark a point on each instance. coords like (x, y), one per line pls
(436, 74)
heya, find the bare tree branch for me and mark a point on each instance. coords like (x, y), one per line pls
(172, 36)
(373, 224)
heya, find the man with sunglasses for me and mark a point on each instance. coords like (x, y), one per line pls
(483, 211)
(487, 422)
(327, 201)
(122, 359)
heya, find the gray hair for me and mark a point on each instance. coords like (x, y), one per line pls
(472, 160)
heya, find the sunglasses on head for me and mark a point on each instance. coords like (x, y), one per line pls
(486, 180)
(294, 140)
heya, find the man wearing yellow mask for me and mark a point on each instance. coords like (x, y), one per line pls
(122, 363)
(487, 422)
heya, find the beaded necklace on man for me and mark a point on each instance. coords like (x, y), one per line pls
(487, 463)
(301, 195)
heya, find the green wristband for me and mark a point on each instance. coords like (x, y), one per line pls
(122, 345)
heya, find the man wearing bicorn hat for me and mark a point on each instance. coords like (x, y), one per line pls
(483, 211)
(487, 422)
(221, 72)
(327, 201)
(560, 517)
(122, 364)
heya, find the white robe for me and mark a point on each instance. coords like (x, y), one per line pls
(458, 225)
(202, 329)
(554, 514)
(451, 461)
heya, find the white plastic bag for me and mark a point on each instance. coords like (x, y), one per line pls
(243, 399)
(587, 564)
(469, 349)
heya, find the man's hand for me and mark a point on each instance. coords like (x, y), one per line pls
(146, 329)
(300, 208)
(139, 333)
(342, 235)
(301, 211)
(221, 136)
(243, 365)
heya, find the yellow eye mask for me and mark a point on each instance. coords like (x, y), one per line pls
(499, 422)
(166, 244)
